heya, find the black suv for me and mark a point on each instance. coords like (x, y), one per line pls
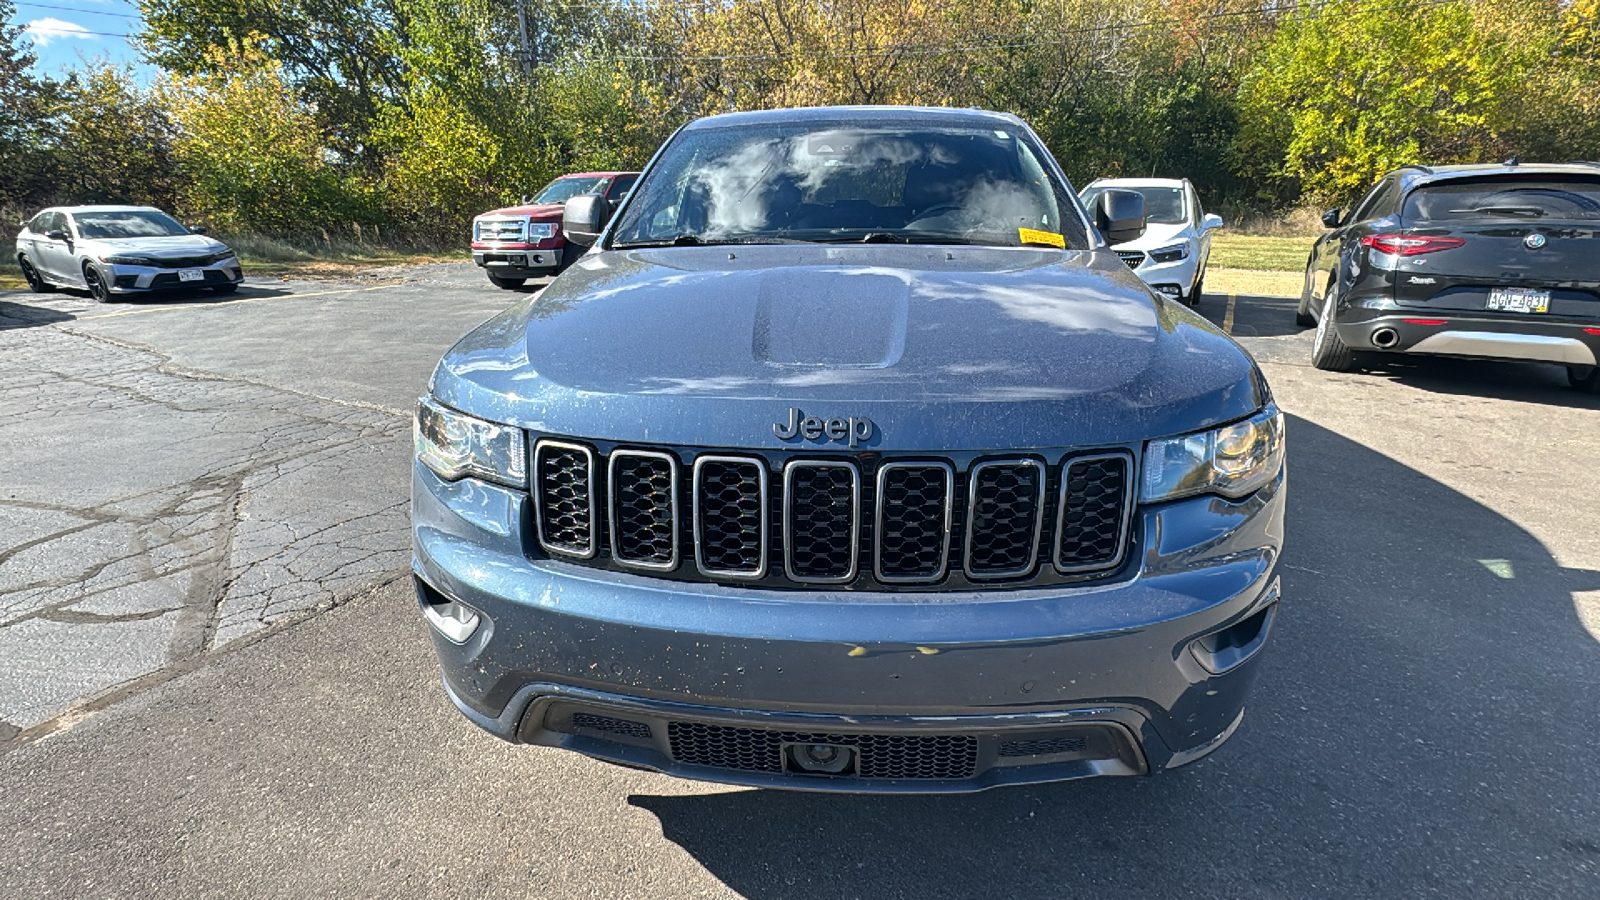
(1499, 262)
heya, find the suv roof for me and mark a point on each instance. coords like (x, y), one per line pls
(1141, 182)
(866, 114)
(1434, 174)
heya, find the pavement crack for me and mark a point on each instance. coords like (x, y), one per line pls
(78, 617)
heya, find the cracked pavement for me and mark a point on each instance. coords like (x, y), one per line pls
(181, 472)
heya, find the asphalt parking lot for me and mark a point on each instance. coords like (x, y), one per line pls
(213, 680)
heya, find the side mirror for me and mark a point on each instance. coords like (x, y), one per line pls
(56, 234)
(1331, 218)
(1120, 216)
(1211, 221)
(584, 218)
(197, 229)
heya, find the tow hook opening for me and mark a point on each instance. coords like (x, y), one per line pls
(820, 759)
(1221, 651)
(456, 621)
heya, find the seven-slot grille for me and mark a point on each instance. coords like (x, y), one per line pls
(1134, 258)
(815, 524)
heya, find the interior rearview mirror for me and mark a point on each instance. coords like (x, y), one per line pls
(584, 218)
(1120, 216)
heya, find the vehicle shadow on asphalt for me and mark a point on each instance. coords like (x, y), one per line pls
(1418, 723)
(1525, 382)
(1254, 315)
(22, 315)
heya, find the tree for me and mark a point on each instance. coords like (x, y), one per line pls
(1353, 89)
(253, 155)
(112, 140)
(24, 117)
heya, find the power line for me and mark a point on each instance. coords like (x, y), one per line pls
(74, 9)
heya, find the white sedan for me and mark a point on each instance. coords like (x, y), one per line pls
(1171, 255)
(109, 250)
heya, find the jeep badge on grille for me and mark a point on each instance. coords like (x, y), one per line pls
(853, 430)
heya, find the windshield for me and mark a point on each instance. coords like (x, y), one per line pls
(1162, 205)
(127, 224)
(563, 189)
(810, 181)
(1515, 197)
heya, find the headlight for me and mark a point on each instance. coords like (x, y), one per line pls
(541, 231)
(1234, 460)
(128, 260)
(455, 445)
(1171, 253)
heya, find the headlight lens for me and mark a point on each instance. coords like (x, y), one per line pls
(455, 445)
(1171, 253)
(1234, 460)
(128, 260)
(540, 231)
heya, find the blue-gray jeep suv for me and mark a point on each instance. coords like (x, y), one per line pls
(851, 458)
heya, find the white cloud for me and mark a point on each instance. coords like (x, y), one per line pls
(43, 31)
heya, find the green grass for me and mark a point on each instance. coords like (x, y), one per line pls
(1262, 253)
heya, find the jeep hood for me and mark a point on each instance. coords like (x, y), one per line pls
(944, 348)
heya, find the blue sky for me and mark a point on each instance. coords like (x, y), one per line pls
(66, 32)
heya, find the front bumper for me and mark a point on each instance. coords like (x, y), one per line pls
(719, 683)
(124, 279)
(517, 262)
(1174, 279)
(1378, 324)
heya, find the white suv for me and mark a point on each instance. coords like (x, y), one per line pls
(1171, 256)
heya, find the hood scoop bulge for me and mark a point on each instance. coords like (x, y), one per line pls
(837, 318)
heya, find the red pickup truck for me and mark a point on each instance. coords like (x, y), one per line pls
(521, 242)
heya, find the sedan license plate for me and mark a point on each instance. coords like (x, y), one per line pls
(191, 275)
(1520, 300)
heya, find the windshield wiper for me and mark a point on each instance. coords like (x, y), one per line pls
(695, 240)
(900, 237)
(1532, 212)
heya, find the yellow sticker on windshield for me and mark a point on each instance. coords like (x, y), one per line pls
(1029, 236)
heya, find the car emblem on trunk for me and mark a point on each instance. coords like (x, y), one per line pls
(852, 430)
(1533, 241)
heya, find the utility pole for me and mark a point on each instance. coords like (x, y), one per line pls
(522, 35)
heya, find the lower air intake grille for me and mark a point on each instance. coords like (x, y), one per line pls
(820, 521)
(608, 725)
(564, 483)
(1043, 747)
(730, 510)
(1006, 502)
(1093, 513)
(881, 755)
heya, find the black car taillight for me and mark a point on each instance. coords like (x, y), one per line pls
(1409, 244)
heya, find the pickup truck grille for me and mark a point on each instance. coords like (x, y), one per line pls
(513, 229)
(858, 523)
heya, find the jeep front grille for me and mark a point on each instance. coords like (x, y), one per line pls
(913, 524)
(821, 521)
(788, 519)
(1092, 517)
(730, 516)
(1007, 499)
(564, 493)
(644, 509)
